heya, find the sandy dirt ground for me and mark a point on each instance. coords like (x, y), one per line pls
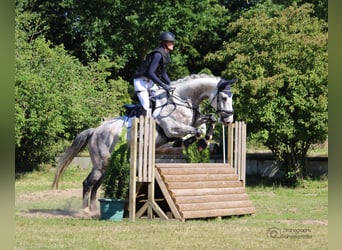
(71, 198)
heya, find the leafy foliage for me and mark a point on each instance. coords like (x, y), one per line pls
(193, 155)
(282, 65)
(125, 31)
(56, 97)
(116, 180)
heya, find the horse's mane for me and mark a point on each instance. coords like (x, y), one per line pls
(193, 76)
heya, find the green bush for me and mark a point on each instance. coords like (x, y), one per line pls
(56, 96)
(116, 182)
(193, 155)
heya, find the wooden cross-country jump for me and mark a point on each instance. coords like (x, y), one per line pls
(186, 191)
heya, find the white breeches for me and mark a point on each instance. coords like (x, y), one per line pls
(144, 87)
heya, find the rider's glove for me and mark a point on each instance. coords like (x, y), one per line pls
(166, 87)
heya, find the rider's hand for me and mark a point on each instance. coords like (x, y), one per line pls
(167, 87)
(171, 89)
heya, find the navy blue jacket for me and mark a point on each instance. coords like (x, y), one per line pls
(157, 70)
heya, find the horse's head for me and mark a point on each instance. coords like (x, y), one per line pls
(222, 101)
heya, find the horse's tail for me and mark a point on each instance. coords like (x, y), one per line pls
(77, 145)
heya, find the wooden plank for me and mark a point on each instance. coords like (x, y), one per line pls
(192, 165)
(243, 152)
(142, 210)
(167, 196)
(202, 184)
(217, 212)
(140, 149)
(214, 205)
(159, 211)
(240, 149)
(132, 180)
(210, 198)
(230, 144)
(151, 143)
(236, 159)
(207, 191)
(191, 170)
(152, 148)
(150, 198)
(145, 148)
(200, 177)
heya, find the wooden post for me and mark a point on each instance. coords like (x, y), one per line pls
(243, 152)
(237, 134)
(145, 141)
(133, 179)
(230, 144)
(148, 148)
(140, 149)
(236, 146)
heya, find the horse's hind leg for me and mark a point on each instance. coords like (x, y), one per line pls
(93, 206)
(86, 190)
(88, 186)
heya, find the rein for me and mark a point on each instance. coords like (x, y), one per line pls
(186, 104)
(183, 103)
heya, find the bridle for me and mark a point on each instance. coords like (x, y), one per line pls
(218, 109)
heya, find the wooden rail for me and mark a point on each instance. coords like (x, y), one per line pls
(236, 151)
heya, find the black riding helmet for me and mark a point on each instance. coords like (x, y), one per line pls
(167, 37)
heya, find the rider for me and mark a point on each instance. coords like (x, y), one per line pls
(154, 70)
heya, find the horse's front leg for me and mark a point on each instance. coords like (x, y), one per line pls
(174, 129)
(203, 143)
(179, 130)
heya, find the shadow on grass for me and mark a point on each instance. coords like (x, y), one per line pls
(262, 181)
(258, 180)
(54, 213)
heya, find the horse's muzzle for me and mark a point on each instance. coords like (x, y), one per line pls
(227, 117)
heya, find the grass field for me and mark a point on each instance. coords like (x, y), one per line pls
(285, 219)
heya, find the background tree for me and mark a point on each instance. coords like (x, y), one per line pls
(125, 31)
(56, 96)
(282, 65)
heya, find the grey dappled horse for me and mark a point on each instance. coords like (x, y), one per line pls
(177, 115)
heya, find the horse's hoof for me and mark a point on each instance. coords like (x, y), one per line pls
(86, 210)
(177, 143)
(201, 145)
(93, 208)
(213, 119)
(95, 214)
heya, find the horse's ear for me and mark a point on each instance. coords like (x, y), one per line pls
(224, 83)
(232, 81)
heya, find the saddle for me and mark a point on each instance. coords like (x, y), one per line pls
(134, 110)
